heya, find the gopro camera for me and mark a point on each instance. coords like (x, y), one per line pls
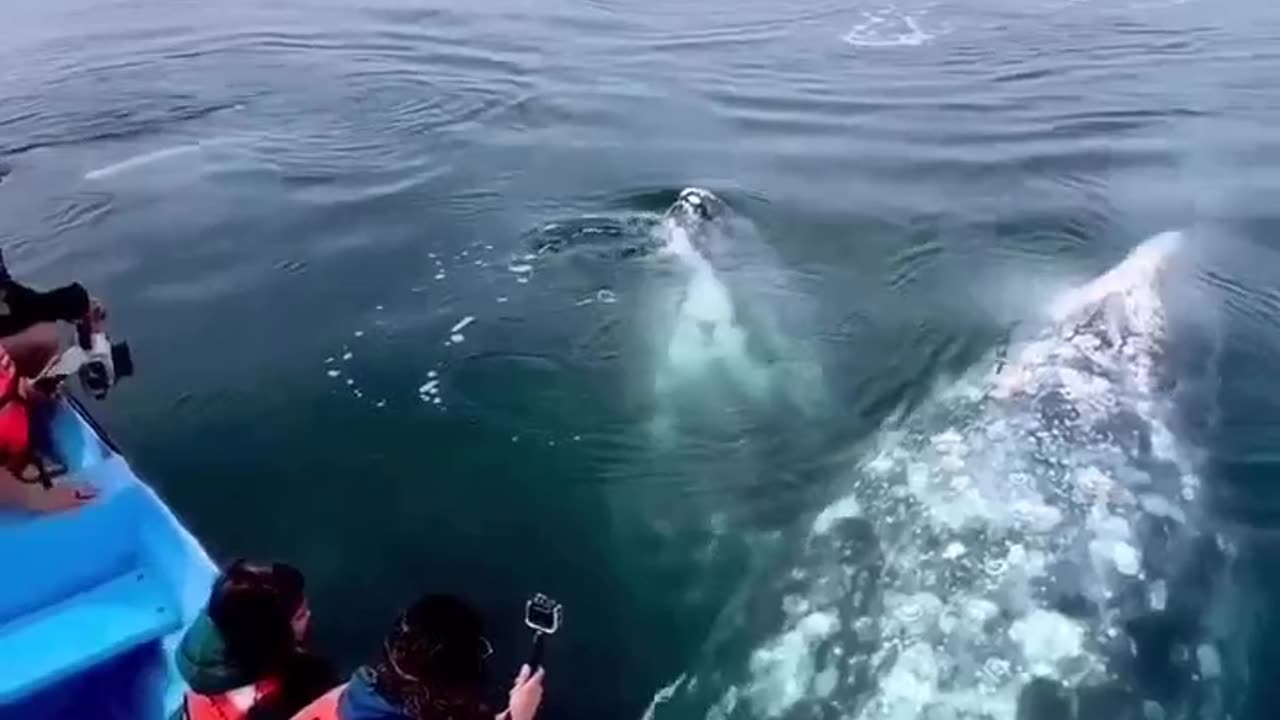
(543, 615)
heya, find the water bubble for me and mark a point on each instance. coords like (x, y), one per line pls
(996, 670)
(606, 296)
(995, 567)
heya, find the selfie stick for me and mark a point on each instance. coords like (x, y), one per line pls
(543, 615)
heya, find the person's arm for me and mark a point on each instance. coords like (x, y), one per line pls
(22, 307)
(526, 695)
(26, 306)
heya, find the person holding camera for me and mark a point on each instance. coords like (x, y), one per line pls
(433, 666)
(30, 343)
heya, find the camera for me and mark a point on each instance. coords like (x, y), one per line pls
(543, 615)
(98, 362)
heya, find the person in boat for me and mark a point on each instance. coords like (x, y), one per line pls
(245, 657)
(30, 342)
(432, 666)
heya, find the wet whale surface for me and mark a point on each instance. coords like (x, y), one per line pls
(1025, 544)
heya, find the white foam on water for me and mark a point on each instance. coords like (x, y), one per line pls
(783, 670)
(348, 355)
(707, 335)
(138, 161)
(333, 373)
(358, 333)
(457, 338)
(888, 27)
(663, 694)
(462, 324)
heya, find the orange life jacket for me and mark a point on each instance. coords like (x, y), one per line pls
(15, 418)
(324, 707)
(220, 707)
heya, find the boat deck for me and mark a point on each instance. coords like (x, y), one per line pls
(95, 600)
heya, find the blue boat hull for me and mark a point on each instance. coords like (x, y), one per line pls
(93, 602)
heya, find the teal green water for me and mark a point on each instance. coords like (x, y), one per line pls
(289, 208)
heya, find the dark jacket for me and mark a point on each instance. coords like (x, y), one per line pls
(362, 702)
(21, 307)
(203, 663)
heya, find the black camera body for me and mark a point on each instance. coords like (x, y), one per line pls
(98, 362)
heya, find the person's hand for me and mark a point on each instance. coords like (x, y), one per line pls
(97, 315)
(526, 695)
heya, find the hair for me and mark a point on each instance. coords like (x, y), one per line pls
(252, 606)
(433, 661)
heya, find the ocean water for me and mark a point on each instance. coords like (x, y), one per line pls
(405, 312)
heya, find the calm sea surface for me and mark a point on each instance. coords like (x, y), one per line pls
(389, 273)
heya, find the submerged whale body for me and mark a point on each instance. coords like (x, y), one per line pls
(725, 342)
(1025, 545)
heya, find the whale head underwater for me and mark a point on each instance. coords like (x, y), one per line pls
(695, 221)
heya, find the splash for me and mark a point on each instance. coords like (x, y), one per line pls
(152, 157)
(888, 27)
